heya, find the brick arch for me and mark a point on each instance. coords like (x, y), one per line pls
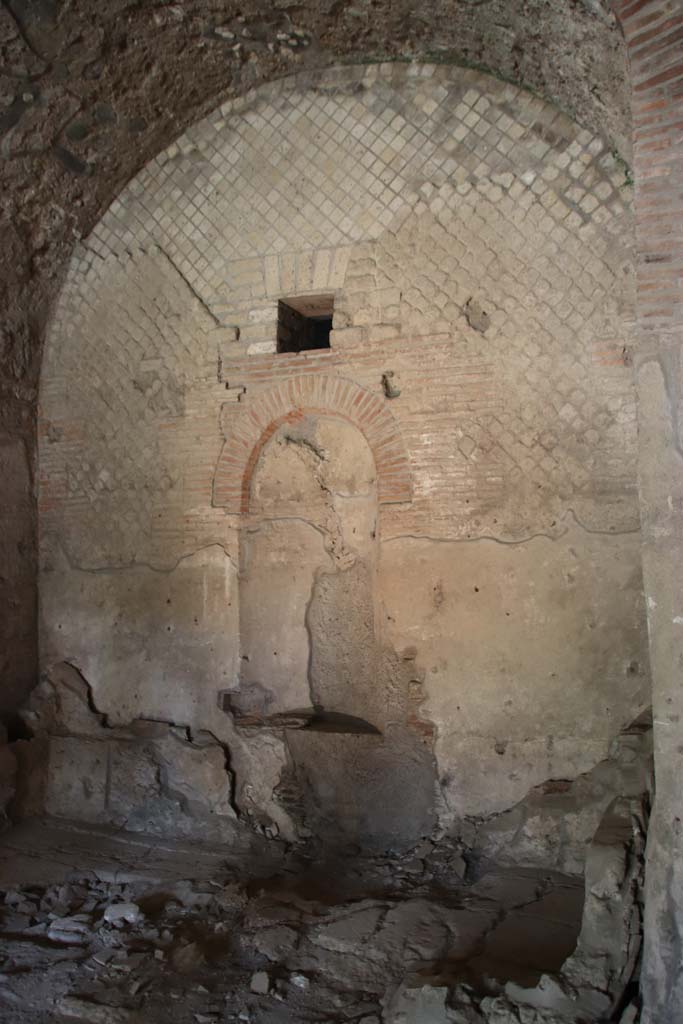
(292, 400)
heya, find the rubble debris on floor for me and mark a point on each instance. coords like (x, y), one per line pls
(131, 937)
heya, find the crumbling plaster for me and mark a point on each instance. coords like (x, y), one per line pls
(511, 640)
(503, 454)
(41, 237)
(91, 92)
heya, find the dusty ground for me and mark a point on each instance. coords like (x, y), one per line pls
(139, 931)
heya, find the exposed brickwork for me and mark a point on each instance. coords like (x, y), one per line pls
(653, 29)
(654, 36)
(92, 91)
(478, 249)
(317, 394)
(112, 439)
(539, 405)
(409, 192)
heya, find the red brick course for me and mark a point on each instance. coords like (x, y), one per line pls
(296, 397)
(654, 34)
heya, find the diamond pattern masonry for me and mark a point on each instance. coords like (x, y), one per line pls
(408, 191)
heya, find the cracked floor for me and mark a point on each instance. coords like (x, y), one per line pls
(104, 928)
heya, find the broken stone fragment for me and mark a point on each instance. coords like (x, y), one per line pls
(122, 913)
(276, 942)
(549, 995)
(348, 933)
(260, 983)
(126, 963)
(609, 944)
(92, 1013)
(103, 956)
(231, 896)
(70, 931)
(10, 922)
(425, 1004)
(187, 958)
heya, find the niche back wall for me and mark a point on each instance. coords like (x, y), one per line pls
(479, 247)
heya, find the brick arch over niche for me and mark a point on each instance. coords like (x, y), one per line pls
(290, 401)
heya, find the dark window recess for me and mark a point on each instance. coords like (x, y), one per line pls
(304, 322)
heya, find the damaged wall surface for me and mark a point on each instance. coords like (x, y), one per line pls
(431, 527)
(91, 92)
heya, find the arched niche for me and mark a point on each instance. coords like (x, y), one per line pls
(313, 661)
(305, 396)
(307, 568)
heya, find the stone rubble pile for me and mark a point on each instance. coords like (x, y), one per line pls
(406, 942)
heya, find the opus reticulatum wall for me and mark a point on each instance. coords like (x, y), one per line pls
(479, 247)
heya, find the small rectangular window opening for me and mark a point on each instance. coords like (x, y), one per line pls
(304, 322)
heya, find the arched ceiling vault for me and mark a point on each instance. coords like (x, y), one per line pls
(92, 91)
